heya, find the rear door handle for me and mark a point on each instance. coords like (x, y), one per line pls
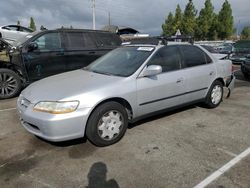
(92, 52)
(211, 73)
(180, 80)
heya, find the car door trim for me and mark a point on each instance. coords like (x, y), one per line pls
(157, 100)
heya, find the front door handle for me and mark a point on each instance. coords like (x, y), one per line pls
(92, 52)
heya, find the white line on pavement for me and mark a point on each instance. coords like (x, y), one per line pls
(223, 169)
(8, 109)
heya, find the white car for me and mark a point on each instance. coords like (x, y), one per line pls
(11, 33)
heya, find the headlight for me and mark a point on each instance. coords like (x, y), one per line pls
(56, 107)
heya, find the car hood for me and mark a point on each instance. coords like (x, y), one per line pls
(67, 85)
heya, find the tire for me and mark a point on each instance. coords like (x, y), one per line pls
(217, 90)
(10, 84)
(107, 124)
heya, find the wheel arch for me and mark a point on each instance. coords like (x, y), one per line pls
(119, 100)
(220, 80)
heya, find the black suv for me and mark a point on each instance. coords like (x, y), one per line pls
(42, 54)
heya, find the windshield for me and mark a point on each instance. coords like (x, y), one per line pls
(121, 61)
(24, 39)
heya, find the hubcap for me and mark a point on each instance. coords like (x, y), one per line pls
(8, 84)
(216, 95)
(110, 125)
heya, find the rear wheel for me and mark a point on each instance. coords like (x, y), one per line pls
(10, 84)
(215, 95)
(107, 124)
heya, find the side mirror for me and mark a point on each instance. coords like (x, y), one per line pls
(32, 46)
(151, 70)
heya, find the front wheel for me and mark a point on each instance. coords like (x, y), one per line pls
(10, 84)
(107, 124)
(215, 95)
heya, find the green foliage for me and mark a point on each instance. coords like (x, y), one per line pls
(189, 19)
(245, 34)
(205, 21)
(32, 24)
(167, 27)
(207, 26)
(213, 31)
(177, 18)
(225, 21)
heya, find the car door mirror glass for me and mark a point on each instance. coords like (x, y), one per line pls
(151, 70)
(32, 46)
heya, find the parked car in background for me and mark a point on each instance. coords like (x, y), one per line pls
(241, 51)
(42, 54)
(245, 68)
(215, 52)
(226, 48)
(11, 33)
(125, 85)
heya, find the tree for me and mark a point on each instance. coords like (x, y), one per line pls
(32, 24)
(205, 21)
(225, 21)
(18, 22)
(189, 19)
(245, 34)
(167, 27)
(177, 19)
(213, 31)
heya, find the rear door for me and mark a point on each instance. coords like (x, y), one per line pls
(166, 89)
(199, 71)
(48, 59)
(80, 51)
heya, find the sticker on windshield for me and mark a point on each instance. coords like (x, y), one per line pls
(148, 49)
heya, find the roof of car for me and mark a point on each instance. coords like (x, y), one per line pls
(176, 40)
(85, 30)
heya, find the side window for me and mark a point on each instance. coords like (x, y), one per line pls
(23, 29)
(193, 56)
(10, 27)
(75, 40)
(49, 41)
(168, 58)
(107, 39)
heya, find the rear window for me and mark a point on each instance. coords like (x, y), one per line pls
(79, 41)
(194, 56)
(107, 39)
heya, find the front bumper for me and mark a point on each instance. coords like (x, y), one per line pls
(53, 127)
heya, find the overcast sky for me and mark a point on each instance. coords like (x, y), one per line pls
(146, 16)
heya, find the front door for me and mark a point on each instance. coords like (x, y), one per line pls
(166, 89)
(48, 59)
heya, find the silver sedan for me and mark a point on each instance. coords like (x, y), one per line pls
(123, 86)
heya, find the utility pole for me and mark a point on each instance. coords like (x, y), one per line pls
(109, 19)
(93, 12)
